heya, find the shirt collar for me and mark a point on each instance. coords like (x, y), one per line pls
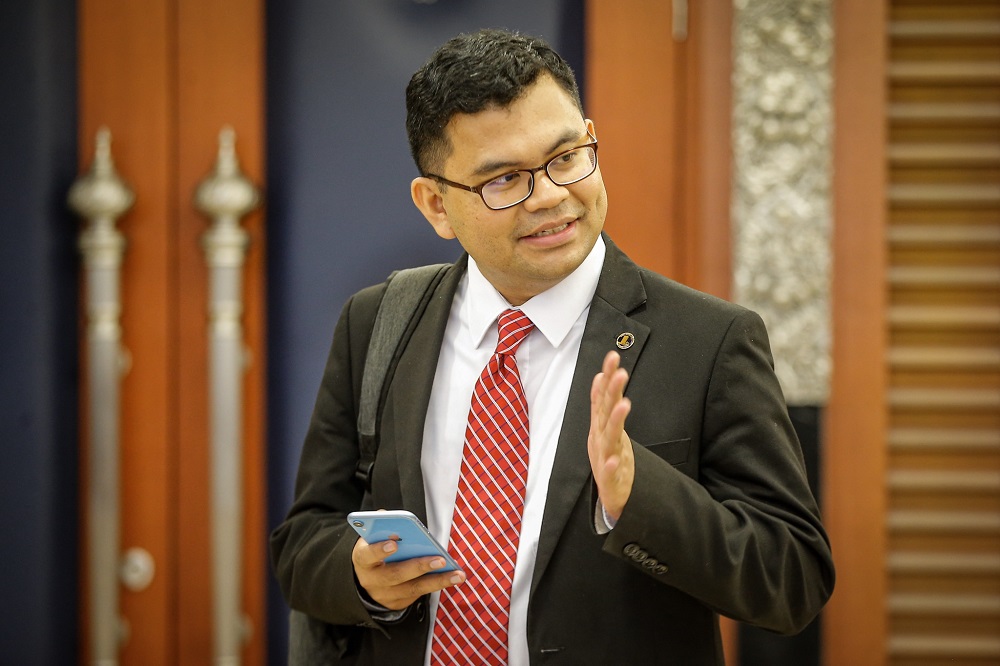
(553, 312)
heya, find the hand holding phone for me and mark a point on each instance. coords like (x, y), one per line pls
(411, 537)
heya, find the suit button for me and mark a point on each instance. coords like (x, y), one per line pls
(631, 549)
(420, 611)
(650, 563)
(660, 569)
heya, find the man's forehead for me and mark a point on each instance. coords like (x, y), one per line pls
(479, 149)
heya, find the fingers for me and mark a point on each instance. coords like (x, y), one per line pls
(399, 596)
(371, 555)
(608, 407)
(396, 585)
(610, 449)
(616, 418)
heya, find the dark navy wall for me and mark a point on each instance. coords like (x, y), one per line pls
(38, 333)
(339, 211)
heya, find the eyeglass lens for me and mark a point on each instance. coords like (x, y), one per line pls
(564, 169)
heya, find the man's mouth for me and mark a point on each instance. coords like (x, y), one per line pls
(549, 232)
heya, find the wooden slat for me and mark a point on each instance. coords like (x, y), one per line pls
(945, 358)
(945, 317)
(921, 439)
(910, 194)
(944, 522)
(948, 73)
(945, 604)
(944, 154)
(935, 113)
(944, 29)
(945, 277)
(957, 234)
(940, 481)
(966, 399)
(944, 646)
(949, 563)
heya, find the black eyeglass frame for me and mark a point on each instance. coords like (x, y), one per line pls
(478, 189)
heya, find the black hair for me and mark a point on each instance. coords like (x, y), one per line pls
(470, 73)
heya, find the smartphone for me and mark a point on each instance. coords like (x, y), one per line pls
(411, 537)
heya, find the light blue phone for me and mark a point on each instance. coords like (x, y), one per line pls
(410, 535)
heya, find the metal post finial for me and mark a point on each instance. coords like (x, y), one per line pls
(226, 192)
(227, 164)
(101, 193)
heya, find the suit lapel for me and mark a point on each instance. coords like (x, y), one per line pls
(410, 391)
(619, 292)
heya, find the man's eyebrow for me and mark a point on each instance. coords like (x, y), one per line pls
(569, 136)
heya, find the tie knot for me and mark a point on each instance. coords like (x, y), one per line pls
(514, 327)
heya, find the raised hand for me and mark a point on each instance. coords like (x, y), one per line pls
(610, 449)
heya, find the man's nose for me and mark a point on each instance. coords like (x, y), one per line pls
(545, 194)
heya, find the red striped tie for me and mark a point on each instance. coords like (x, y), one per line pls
(471, 622)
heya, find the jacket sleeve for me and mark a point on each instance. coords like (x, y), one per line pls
(742, 533)
(311, 549)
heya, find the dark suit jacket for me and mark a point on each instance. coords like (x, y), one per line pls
(720, 519)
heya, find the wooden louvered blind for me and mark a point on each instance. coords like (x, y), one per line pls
(943, 560)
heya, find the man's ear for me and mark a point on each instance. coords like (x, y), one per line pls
(427, 198)
(590, 128)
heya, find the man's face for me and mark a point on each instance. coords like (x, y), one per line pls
(530, 247)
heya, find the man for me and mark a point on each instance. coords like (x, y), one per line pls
(664, 484)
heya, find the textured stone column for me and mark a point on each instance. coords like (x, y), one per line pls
(782, 124)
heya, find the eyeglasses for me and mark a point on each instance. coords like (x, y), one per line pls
(512, 188)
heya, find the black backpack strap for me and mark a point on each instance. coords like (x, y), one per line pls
(406, 296)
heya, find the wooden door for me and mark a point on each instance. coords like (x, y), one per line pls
(913, 472)
(165, 76)
(658, 85)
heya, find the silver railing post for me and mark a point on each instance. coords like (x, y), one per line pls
(225, 196)
(101, 197)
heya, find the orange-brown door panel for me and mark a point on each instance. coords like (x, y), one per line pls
(164, 76)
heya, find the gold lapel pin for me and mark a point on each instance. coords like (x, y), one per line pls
(625, 340)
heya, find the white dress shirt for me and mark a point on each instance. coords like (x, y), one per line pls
(545, 361)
